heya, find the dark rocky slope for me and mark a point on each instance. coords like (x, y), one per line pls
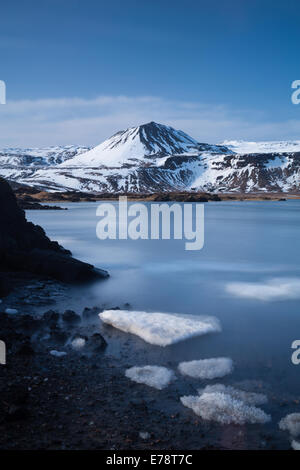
(25, 247)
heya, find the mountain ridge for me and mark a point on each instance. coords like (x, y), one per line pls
(155, 157)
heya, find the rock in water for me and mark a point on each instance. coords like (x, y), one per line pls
(25, 246)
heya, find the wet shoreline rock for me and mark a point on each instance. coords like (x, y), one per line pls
(24, 247)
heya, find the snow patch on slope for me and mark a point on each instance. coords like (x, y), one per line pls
(35, 157)
(241, 146)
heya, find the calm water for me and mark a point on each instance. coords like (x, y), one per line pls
(244, 242)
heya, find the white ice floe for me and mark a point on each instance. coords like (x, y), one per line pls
(57, 353)
(161, 329)
(207, 368)
(291, 423)
(295, 445)
(11, 311)
(249, 398)
(78, 343)
(224, 409)
(154, 376)
(273, 289)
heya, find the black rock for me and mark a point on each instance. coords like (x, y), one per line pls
(15, 413)
(25, 247)
(26, 349)
(51, 317)
(58, 335)
(71, 317)
(90, 312)
(96, 342)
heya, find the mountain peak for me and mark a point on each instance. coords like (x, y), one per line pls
(144, 142)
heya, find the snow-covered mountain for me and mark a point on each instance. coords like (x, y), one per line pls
(39, 156)
(142, 145)
(153, 157)
(241, 146)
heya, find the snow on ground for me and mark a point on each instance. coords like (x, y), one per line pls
(154, 376)
(291, 423)
(273, 289)
(224, 409)
(249, 398)
(207, 368)
(241, 146)
(32, 157)
(161, 329)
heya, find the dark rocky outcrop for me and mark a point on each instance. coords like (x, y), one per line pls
(25, 246)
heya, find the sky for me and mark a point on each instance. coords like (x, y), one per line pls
(77, 71)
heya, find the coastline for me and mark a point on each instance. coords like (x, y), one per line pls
(95, 405)
(84, 401)
(30, 198)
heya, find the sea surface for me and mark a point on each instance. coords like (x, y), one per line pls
(247, 274)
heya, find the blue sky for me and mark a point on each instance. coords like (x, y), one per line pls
(78, 70)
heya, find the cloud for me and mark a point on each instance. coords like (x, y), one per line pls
(90, 121)
(274, 289)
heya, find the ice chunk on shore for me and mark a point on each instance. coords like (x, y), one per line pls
(57, 353)
(161, 329)
(207, 368)
(78, 343)
(154, 376)
(250, 398)
(291, 423)
(11, 311)
(295, 445)
(224, 409)
(274, 289)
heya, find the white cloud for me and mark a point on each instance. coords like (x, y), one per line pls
(90, 121)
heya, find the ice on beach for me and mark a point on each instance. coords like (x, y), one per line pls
(144, 435)
(154, 376)
(161, 329)
(207, 368)
(224, 409)
(78, 343)
(295, 445)
(57, 353)
(11, 311)
(273, 289)
(291, 423)
(249, 398)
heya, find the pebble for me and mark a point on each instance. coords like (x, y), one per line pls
(58, 353)
(11, 311)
